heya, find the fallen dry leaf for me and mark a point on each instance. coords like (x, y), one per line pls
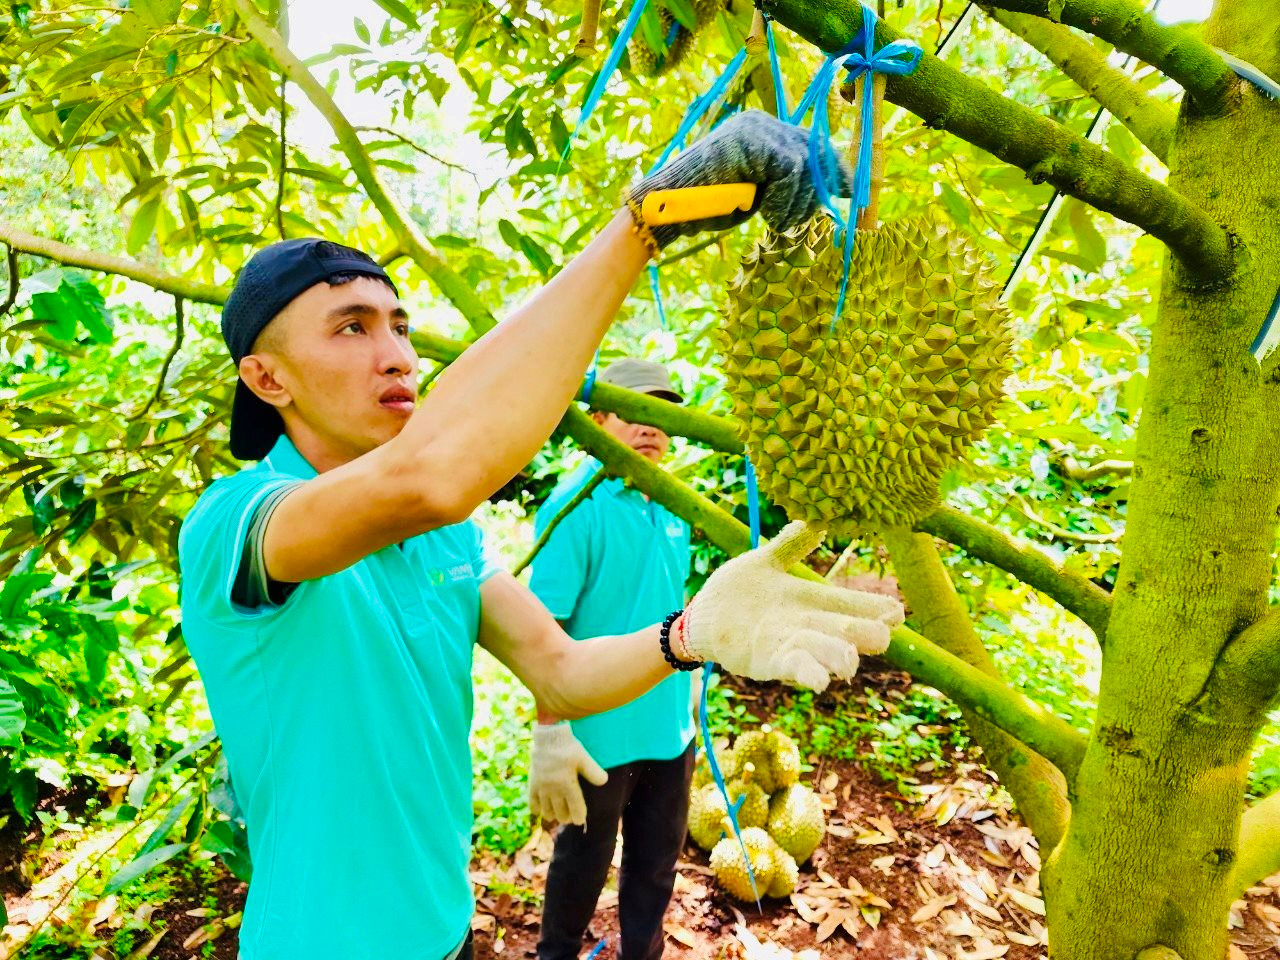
(1026, 901)
(933, 908)
(681, 935)
(934, 857)
(884, 864)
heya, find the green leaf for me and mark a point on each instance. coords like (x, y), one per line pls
(399, 11)
(362, 31)
(143, 225)
(955, 204)
(136, 868)
(13, 713)
(683, 11)
(171, 819)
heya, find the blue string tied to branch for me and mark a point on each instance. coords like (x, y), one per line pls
(858, 58)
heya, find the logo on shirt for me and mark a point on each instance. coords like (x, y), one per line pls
(455, 574)
(674, 530)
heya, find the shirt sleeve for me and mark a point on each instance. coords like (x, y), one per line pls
(252, 586)
(212, 545)
(559, 571)
(484, 559)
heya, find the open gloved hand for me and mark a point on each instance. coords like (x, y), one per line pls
(558, 760)
(752, 147)
(758, 621)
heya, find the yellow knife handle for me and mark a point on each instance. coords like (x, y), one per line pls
(696, 203)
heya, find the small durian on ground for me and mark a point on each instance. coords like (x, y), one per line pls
(774, 755)
(851, 424)
(797, 821)
(730, 868)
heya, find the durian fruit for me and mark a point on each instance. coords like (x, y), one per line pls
(702, 769)
(754, 809)
(679, 39)
(853, 425)
(784, 758)
(786, 874)
(706, 816)
(752, 748)
(797, 821)
(775, 756)
(730, 868)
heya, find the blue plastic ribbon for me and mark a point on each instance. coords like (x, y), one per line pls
(1251, 73)
(598, 947)
(859, 58)
(589, 381)
(708, 671)
(753, 503)
(606, 71)
(780, 95)
(657, 294)
(700, 105)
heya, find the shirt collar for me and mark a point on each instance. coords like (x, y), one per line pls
(611, 485)
(285, 458)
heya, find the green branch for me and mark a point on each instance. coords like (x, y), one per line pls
(587, 489)
(1259, 843)
(1245, 677)
(1074, 592)
(450, 284)
(1149, 120)
(672, 419)
(1173, 50)
(70, 256)
(1041, 791)
(946, 99)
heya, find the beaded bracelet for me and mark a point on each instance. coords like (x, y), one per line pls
(664, 641)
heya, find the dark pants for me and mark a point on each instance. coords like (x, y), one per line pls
(651, 799)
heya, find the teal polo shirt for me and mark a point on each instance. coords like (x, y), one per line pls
(615, 564)
(344, 715)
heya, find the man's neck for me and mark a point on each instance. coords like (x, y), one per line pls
(323, 453)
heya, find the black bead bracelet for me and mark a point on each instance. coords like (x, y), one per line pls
(664, 641)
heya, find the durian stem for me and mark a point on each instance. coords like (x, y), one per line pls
(586, 44)
(756, 43)
(869, 216)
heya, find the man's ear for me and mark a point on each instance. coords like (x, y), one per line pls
(599, 416)
(259, 373)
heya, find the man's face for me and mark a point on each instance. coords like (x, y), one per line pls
(338, 365)
(647, 441)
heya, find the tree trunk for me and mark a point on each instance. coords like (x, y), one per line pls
(1148, 856)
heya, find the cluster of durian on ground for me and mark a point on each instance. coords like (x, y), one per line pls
(781, 819)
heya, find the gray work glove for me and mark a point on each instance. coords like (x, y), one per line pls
(752, 147)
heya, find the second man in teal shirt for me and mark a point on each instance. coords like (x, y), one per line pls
(616, 561)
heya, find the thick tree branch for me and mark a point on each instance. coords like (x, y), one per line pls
(1259, 843)
(1173, 50)
(1072, 591)
(451, 285)
(672, 418)
(70, 256)
(1041, 791)
(948, 100)
(1149, 120)
(1245, 678)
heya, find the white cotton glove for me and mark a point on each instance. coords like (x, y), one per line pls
(756, 620)
(558, 760)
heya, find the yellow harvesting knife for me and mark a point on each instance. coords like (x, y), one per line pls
(696, 203)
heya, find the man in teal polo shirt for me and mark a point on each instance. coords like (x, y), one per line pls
(332, 594)
(615, 562)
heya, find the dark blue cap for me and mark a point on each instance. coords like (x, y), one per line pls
(265, 286)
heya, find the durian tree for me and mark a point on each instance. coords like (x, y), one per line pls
(168, 127)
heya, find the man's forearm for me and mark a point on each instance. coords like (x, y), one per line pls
(495, 406)
(592, 676)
